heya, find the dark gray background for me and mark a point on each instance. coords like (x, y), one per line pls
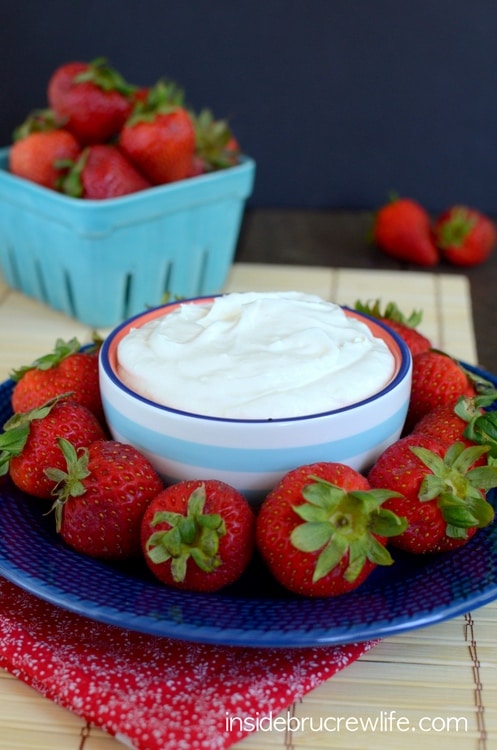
(339, 101)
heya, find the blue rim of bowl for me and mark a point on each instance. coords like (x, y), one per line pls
(402, 372)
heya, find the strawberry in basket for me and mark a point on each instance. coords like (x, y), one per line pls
(159, 137)
(92, 99)
(41, 148)
(104, 137)
(102, 171)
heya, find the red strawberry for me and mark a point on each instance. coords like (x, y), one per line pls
(442, 492)
(321, 531)
(159, 138)
(103, 171)
(481, 422)
(38, 148)
(437, 379)
(464, 236)
(92, 99)
(140, 95)
(67, 369)
(102, 495)
(198, 535)
(443, 423)
(402, 230)
(465, 422)
(468, 420)
(404, 326)
(29, 444)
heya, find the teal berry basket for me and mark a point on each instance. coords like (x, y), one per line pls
(103, 261)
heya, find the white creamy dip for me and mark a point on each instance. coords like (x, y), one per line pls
(254, 355)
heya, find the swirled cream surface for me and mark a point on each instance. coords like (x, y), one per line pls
(255, 356)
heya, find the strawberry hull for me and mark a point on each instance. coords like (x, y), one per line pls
(102, 261)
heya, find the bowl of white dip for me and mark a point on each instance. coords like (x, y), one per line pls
(243, 387)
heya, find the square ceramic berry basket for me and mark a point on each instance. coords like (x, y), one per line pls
(102, 261)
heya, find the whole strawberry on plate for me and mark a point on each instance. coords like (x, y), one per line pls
(66, 369)
(322, 530)
(467, 421)
(445, 423)
(405, 326)
(464, 236)
(102, 171)
(159, 136)
(402, 230)
(28, 445)
(437, 379)
(198, 535)
(442, 493)
(92, 99)
(102, 493)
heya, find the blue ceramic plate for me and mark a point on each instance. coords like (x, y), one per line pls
(412, 593)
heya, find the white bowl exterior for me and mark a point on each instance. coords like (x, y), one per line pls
(253, 455)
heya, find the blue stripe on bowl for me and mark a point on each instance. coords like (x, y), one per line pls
(247, 459)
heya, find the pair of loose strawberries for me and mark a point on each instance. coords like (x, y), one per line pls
(463, 236)
(325, 527)
(101, 137)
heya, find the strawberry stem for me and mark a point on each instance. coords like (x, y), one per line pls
(68, 483)
(194, 536)
(391, 312)
(105, 77)
(457, 488)
(17, 428)
(454, 231)
(337, 523)
(213, 141)
(61, 350)
(71, 182)
(38, 121)
(162, 98)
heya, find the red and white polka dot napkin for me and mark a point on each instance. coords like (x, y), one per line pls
(155, 693)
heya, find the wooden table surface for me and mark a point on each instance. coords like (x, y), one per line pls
(441, 672)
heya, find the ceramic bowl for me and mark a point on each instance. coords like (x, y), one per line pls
(252, 455)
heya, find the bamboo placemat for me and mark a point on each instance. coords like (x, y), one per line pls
(436, 686)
